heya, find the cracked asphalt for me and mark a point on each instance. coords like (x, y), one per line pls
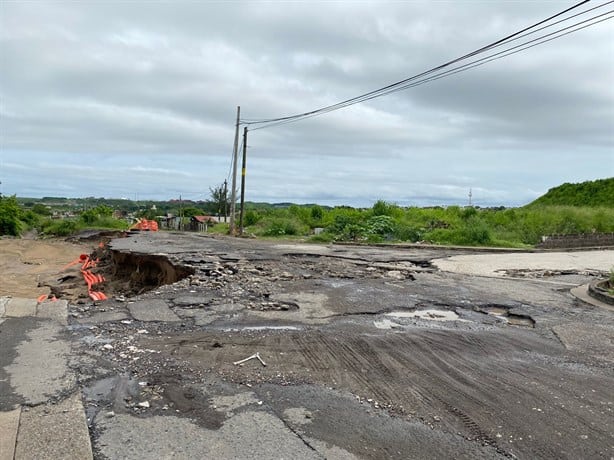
(367, 352)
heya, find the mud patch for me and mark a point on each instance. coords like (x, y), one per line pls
(193, 403)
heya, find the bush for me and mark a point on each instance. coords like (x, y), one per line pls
(109, 222)
(353, 232)
(251, 218)
(316, 213)
(382, 208)
(380, 225)
(473, 233)
(10, 214)
(406, 232)
(280, 227)
(476, 232)
(31, 218)
(59, 227)
(91, 215)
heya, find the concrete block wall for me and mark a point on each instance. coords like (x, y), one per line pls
(578, 240)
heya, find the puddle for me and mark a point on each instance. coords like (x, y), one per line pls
(433, 315)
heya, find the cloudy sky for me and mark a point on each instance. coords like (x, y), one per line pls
(138, 99)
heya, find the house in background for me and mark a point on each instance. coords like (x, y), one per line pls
(202, 223)
(169, 222)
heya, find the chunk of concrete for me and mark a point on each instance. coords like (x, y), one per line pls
(9, 425)
(133, 438)
(152, 310)
(40, 369)
(18, 307)
(54, 431)
(57, 311)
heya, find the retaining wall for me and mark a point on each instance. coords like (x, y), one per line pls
(578, 240)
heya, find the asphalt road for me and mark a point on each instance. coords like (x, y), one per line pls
(362, 353)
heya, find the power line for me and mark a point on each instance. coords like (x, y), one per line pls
(427, 76)
(479, 62)
(508, 52)
(232, 159)
(357, 99)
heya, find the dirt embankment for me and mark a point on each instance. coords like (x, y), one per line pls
(26, 265)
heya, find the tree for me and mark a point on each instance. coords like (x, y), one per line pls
(41, 209)
(192, 211)
(219, 200)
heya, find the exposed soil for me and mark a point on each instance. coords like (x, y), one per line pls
(28, 265)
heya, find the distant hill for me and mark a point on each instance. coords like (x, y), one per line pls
(591, 193)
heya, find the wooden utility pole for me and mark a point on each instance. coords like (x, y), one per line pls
(180, 212)
(225, 201)
(233, 193)
(243, 179)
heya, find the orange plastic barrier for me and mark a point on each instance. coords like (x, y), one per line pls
(80, 260)
(91, 279)
(97, 295)
(145, 225)
(42, 298)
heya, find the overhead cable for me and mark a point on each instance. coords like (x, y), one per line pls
(439, 72)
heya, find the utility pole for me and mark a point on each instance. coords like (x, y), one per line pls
(233, 193)
(180, 213)
(225, 200)
(243, 179)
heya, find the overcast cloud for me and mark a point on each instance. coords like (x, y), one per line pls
(138, 99)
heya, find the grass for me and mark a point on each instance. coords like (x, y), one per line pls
(512, 228)
(382, 223)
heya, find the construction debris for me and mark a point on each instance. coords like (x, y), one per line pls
(255, 355)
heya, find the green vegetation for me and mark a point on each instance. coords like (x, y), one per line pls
(570, 208)
(100, 217)
(16, 218)
(591, 193)
(386, 222)
(11, 216)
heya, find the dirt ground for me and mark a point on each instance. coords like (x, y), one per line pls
(362, 353)
(27, 264)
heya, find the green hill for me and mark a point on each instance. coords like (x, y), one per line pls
(591, 193)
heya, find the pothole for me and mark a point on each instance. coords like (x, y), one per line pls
(503, 311)
(134, 274)
(430, 314)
